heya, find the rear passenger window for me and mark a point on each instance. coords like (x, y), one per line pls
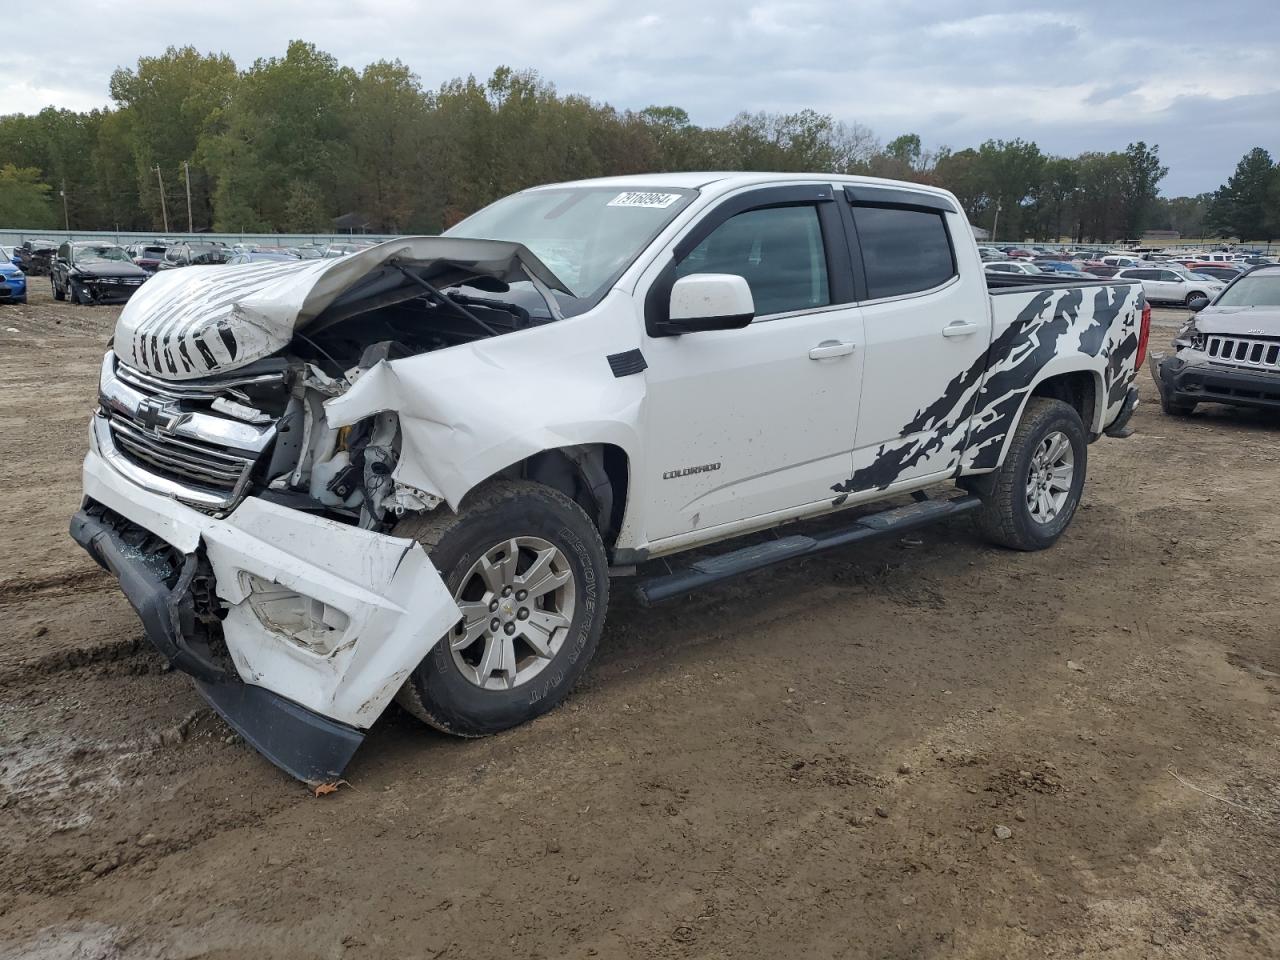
(777, 250)
(904, 251)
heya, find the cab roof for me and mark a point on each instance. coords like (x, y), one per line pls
(717, 182)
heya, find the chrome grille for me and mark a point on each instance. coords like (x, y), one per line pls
(1263, 353)
(168, 437)
(179, 458)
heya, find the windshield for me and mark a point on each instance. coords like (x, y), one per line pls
(1256, 291)
(585, 235)
(103, 252)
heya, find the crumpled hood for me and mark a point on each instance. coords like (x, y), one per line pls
(196, 321)
(109, 268)
(1240, 321)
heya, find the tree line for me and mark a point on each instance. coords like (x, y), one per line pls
(295, 141)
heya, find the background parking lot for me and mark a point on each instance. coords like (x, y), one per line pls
(812, 761)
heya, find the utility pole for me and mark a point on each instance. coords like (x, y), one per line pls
(164, 210)
(66, 220)
(995, 223)
(186, 168)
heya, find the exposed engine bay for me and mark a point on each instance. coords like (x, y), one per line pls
(254, 421)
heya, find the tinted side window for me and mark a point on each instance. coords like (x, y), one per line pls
(777, 250)
(1169, 275)
(904, 251)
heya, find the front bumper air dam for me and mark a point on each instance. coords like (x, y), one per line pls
(304, 744)
(304, 702)
(1185, 379)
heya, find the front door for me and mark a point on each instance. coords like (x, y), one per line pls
(928, 328)
(744, 423)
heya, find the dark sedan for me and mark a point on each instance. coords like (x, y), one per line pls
(35, 257)
(88, 271)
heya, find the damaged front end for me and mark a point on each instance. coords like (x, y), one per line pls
(1222, 355)
(248, 528)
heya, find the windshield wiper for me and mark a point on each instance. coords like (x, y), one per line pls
(440, 300)
(523, 317)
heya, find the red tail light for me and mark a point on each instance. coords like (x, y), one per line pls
(1144, 334)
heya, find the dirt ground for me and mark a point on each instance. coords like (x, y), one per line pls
(811, 762)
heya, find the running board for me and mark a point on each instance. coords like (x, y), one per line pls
(760, 555)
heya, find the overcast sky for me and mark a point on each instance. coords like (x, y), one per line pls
(1198, 78)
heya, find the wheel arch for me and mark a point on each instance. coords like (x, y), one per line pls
(596, 476)
(1077, 381)
(1078, 388)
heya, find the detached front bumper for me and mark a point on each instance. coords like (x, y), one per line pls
(1189, 377)
(109, 290)
(323, 621)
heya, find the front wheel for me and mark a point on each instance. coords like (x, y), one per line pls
(527, 568)
(1031, 499)
(57, 290)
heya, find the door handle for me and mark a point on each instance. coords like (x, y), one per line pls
(959, 328)
(831, 348)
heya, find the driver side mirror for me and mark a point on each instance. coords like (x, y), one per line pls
(710, 301)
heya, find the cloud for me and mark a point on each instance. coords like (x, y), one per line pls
(1090, 75)
(1112, 92)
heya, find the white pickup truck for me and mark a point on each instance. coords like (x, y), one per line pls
(412, 472)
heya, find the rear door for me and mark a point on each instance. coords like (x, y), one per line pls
(928, 327)
(1160, 284)
(749, 422)
(1177, 285)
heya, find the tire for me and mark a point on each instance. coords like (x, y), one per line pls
(444, 690)
(1006, 516)
(1193, 296)
(58, 293)
(1175, 409)
(74, 293)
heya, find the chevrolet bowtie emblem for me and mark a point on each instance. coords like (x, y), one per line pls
(159, 415)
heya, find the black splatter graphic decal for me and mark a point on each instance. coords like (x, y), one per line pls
(979, 407)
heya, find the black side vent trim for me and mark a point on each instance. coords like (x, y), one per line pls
(625, 364)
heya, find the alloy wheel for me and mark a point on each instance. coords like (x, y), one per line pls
(1049, 479)
(517, 602)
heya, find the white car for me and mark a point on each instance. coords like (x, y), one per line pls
(1012, 266)
(418, 471)
(1122, 260)
(1173, 284)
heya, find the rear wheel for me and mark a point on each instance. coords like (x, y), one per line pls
(527, 568)
(1031, 499)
